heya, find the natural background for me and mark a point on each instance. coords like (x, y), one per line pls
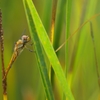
(24, 80)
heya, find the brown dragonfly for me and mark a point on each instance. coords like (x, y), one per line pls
(19, 46)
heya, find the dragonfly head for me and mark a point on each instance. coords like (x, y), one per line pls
(25, 38)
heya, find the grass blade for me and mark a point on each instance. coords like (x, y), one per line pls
(68, 14)
(40, 57)
(4, 82)
(43, 38)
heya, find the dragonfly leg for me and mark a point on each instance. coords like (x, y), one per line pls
(29, 49)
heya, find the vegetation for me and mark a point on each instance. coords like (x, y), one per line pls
(70, 73)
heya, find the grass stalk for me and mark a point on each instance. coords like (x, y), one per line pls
(68, 14)
(4, 82)
(51, 72)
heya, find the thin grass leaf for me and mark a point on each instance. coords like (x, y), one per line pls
(52, 28)
(39, 55)
(60, 13)
(47, 15)
(4, 82)
(43, 38)
(68, 14)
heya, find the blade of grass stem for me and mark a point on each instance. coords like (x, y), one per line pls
(4, 83)
(45, 42)
(53, 21)
(54, 8)
(68, 14)
(47, 15)
(39, 55)
(59, 22)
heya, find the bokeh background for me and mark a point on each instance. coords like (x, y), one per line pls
(24, 81)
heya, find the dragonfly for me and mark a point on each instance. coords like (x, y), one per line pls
(19, 46)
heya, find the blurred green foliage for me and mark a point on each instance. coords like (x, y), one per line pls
(24, 80)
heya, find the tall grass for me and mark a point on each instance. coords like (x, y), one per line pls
(75, 69)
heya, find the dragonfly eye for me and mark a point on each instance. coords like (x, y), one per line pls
(25, 38)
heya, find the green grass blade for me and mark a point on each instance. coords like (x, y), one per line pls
(68, 14)
(43, 38)
(60, 14)
(40, 56)
(47, 15)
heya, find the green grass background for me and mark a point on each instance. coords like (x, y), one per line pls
(24, 80)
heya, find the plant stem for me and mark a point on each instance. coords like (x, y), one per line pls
(5, 97)
(51, 75)
(4, 82)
